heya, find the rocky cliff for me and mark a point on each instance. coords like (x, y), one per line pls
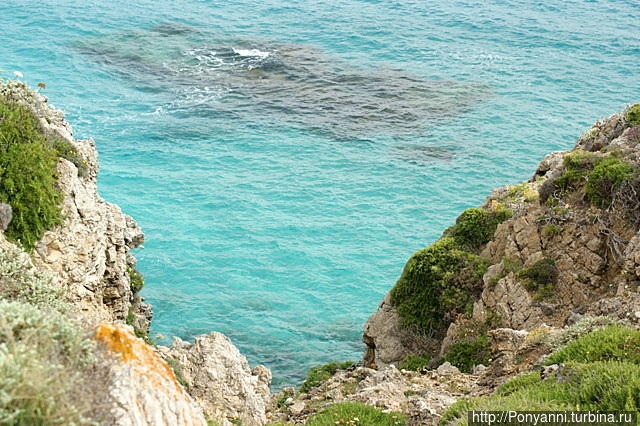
(80, 268)
(568, 247)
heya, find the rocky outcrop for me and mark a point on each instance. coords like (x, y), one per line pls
(218, 376)
(388, 342)
(89, 253)
(144, 387)
(594, 251)
(423, 397)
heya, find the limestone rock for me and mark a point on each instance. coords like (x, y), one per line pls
(89, 253)
(144, 387)
(220, 380)
(422, 397)
(387, 341)
(446, 369)
(6, 214)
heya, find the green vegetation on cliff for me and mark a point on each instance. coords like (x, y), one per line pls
(48, 371)
(438, 283)
(443, 280)
(27, 175)
(469, 352)
(475, 227)
(632, 115)
(355, 414)
(601, 372)
(600, 176)
(321, 373)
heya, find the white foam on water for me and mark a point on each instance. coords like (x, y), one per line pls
(251, 52)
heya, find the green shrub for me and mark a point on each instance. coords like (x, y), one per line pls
(577, 165)
(579, 329)
(42, 357)
(355, 414)
(65, 149)
(321, 373)
(21, 282)
(606, 177)
(598, 386)
(551, 230)
(475, 227)
(414, 362)
(613, 342)
(632, 115)
(27, 175)
(540, 277)
(469, 352)
(437, 284)
(136, 280)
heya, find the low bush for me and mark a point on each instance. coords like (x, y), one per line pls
(436, 285)
(321, 373)
(27, 175)
(632, 115)
(601, 373)
(42, 357)
(65, 149)
(21, 282)
(475, 227)
(577, 165)
(605, 178)
(540, 277)
(469, 352)
(135, 279)
(579, 329)
(414, 362)
(613, 342)
(355, 414)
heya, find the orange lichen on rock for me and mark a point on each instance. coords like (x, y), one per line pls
(134, 351)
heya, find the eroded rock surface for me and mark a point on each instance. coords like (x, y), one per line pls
(219, 378)
(89, 253)
(144, 386)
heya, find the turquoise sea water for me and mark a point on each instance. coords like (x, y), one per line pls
(286, 158)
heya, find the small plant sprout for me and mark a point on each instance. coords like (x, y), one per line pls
(18, 74)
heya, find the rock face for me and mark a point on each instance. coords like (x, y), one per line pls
(387, 341)
(6, 214)
(89, 256)
(595, 252)
(144, 387)
(219, 378)
(89, 252)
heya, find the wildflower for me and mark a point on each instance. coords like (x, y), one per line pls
(18, 74)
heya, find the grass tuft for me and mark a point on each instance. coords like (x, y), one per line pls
(355, 414)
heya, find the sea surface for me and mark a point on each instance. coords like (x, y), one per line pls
(285, 158)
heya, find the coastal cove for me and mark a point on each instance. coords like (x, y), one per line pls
(280, 223)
